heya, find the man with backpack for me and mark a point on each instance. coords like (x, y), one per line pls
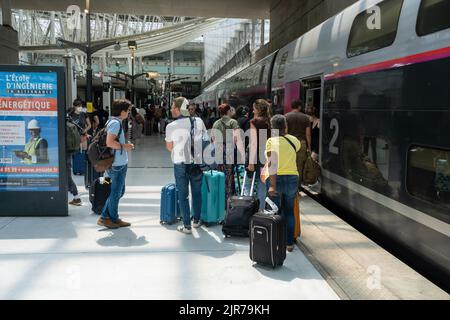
(115, 140)
(180, 136)
(73, 140)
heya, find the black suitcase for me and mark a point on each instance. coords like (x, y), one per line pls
(91, 175)
(99, 193)
(268, 239)
(147, 128)
(239, 211)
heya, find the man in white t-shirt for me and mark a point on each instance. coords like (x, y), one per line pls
(142, 112)
(178, 142)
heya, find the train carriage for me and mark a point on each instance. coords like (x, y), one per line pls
(378, 75)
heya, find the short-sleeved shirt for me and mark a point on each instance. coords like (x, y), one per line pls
(224, 124)
(113, 127)
(298, 122)
(287, 156)
(179, 132)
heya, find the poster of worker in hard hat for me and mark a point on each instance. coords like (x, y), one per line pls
(29, 152)
(36, 150)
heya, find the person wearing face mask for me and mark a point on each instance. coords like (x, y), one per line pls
(78, 117)
(36, 150)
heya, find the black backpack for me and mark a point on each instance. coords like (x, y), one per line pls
(99, 154)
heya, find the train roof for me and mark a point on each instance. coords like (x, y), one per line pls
(325, 46)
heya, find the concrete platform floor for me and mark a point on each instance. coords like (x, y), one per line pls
(73, 258)
(355, 266)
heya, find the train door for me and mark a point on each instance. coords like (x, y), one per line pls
(311, 90)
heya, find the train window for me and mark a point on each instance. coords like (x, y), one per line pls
(366, 159)
(434, 15)
(282, 65)
(261, 75)
(374, 28)
(428, 175)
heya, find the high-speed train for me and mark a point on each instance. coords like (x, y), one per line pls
(379, 75)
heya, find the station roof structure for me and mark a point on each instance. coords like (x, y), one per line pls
(254, 9)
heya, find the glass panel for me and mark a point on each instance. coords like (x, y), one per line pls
(366, 161)
(429, 175)
(434, 15)
(365, 36)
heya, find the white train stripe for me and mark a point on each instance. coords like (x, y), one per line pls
(411, 213)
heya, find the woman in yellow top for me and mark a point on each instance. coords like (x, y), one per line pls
(281, 151)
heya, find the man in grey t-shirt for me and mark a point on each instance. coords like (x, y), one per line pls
(299, 126)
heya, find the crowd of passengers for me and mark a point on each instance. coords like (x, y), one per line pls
(296, 139)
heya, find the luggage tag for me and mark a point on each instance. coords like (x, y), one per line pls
(273, 210)
(103, 179)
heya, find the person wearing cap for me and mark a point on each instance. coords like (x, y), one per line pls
(36, 150)
(178, 142)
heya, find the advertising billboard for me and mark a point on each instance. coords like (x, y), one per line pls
(32, 135)
(28, 132)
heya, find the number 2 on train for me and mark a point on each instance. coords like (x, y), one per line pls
(334, 125)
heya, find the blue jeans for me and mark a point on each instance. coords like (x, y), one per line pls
(185, 174)
(287, 188)
(260, 187)
(111, 208)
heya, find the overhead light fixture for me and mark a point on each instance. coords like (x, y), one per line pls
(152, 75)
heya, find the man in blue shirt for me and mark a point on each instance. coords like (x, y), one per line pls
(118, 172)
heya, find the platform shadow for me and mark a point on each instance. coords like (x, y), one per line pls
(123, 237)
(288, 272)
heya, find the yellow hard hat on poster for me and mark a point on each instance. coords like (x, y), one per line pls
(89, 107)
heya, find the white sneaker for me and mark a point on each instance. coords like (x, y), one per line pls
(184, 230)
(197, 224)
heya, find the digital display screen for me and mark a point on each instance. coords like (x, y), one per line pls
(29, 147)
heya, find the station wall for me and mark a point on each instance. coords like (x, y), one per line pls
(289, 19)
(8, 45)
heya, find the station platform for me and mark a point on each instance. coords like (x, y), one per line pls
(73, 258)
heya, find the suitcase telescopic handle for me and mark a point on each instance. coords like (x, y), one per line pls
(253, 183)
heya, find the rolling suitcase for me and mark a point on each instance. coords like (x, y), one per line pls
(147, 128)
(268, 239)
(170, 208)
(239, 211)
(99, 193)
(213, 197)
(79, 163)
(297, 219)
(91, 174)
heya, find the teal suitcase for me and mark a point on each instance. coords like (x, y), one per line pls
(213, 197)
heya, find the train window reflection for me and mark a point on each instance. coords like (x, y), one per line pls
(368, 34)
(434, 16)
(428, 175)
(366, 161)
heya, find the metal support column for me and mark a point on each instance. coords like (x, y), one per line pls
(263, 35)
(71, 86)
(6, 13)
(253, 44)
